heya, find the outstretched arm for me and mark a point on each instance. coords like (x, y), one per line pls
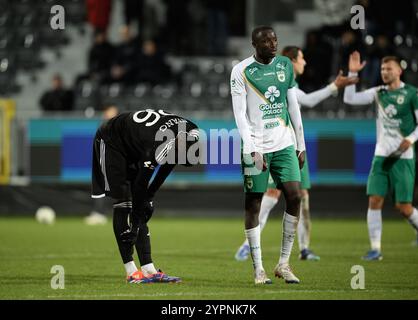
(310, 100)
(358, 98)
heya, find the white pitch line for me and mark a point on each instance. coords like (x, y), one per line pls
(228, 293)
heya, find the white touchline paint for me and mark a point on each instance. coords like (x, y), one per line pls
(228, 293)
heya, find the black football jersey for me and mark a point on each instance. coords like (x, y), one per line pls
(144, 135)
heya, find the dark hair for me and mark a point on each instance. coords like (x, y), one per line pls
(259, 29)
(392, 58)
(291, 52)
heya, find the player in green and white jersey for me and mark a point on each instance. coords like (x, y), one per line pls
(271, 197)
(393, 166)
(265, 109)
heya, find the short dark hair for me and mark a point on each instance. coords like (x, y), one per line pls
(392, 58)
(291, 52)
(259, 29)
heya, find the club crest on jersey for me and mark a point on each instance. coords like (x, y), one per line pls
(400, 99)
(281, 76)
(272, 93)
(391, 111)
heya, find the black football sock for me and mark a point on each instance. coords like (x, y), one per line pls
(99, 205)
(143, 245)
(121, 211)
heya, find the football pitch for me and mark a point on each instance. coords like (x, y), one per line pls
(201, 252)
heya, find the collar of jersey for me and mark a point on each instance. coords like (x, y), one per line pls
(386, 87)
(263, 64)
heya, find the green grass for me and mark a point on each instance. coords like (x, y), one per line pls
(201, 251)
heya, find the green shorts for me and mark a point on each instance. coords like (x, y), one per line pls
(305, 181)
(282, 165)
(394, 174)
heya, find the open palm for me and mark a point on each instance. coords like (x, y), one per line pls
(342, 81)
(354, 62)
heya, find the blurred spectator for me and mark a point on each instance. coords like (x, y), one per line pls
(217, 26)
(133, 11)
(152, 67)
(198, 28)
(98, 13)
(100, 57)
(350, 41)
(380, 48)
(334, 15)
(125, 60)
(58, 98)
(177, 28)
(155, 19)
(319, 54)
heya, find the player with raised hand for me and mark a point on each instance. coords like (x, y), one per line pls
(264, 104)
(393, 166)
(271, 197)
(127, 150)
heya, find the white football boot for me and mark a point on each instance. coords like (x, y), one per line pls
(260, 277)
(284, 271)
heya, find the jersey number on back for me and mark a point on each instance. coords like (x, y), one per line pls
(145, 115)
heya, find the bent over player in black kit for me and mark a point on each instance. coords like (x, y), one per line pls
(127, 150)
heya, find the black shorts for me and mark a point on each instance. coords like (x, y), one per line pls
(110, 171)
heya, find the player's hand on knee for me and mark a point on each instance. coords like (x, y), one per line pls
(301, 158)
(148, 209)
(130, 236)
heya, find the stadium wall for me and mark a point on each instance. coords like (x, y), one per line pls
(339, 152)
(198, 201)
(60, 149)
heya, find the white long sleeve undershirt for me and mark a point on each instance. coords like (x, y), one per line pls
(310, 100)
(239, 105)
(296, 118)
(358, 98)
